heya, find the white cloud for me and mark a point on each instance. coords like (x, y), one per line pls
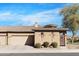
(5, 15)
(44, 16)
(40, 17)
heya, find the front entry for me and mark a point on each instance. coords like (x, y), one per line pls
(62, 40)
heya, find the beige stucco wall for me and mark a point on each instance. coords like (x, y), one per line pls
(56, 37)
(48, 37)
(38, 38)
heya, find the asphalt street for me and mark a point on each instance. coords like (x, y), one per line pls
(39, 54)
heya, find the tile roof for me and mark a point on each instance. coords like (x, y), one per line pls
(25, 28)
(61, 29)
(16, 28)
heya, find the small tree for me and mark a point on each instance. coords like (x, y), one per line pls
(71, 18)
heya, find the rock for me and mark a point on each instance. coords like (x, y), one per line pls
(51, 47)
(42, 46)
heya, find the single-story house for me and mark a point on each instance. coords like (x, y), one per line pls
(30, 35)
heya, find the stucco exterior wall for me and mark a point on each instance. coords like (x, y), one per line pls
(41, 38)
(56, 37)
(52, 37)
(38, 38)
(47, 37)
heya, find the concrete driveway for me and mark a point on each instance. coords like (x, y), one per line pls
(28, 49)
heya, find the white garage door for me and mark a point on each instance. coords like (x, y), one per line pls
(16, 40)
(2, 39)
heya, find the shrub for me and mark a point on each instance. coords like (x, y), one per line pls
(75, 40)
(46, 44)
(54, 44)
(37, 45)
(69, 41)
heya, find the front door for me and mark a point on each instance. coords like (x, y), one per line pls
(62, 40)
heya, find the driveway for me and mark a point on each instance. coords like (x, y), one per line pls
(28, 49)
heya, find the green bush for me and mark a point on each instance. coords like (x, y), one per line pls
(46, 44)
(37, 45)
(76, 40)
(54, 44)
(69, 40)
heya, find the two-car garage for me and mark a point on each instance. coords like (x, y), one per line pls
(16, 39)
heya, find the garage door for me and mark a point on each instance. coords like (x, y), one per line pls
(19, 40)
(2, 39)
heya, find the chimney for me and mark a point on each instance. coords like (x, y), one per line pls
(36, 24)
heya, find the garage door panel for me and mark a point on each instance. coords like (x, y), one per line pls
(17, 40)
(2, 40)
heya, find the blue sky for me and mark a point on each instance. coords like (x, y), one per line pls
(26, 14)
